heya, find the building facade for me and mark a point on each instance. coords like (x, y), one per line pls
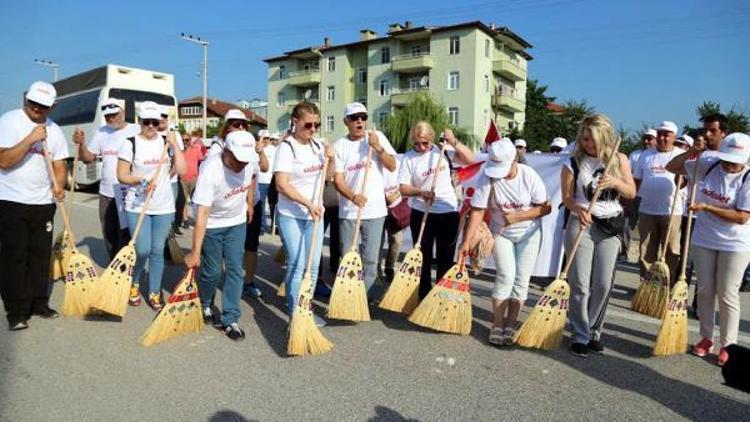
(477, 71)
(190, 112)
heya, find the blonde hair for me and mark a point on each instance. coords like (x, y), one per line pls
(599, 128)
(422, 127)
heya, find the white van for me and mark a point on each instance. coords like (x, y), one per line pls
(79, 99)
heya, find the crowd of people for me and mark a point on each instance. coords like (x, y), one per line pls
(230, 180)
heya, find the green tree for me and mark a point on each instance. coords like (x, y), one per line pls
(540, 121)
(737, 120)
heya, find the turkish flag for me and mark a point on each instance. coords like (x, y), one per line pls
(492, 134)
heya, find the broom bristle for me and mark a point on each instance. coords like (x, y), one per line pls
(111, 294)
(348, 299)
(80, 282)
(673, 334)
(447, 307)
(650, 298)
(403, 293)
(543, 329)
(304, 337)
(181, 315)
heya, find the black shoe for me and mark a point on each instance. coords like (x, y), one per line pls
(595, 346)
(208, 315)
(18, 326)
(46, 313)
(322, 290)
(251, 290)
(388, 273)
(579, 349)
(233, 331)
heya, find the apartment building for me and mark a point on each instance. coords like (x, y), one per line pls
(477, 71)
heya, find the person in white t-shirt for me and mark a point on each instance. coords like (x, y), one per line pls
(265, 147)
(394, 231)
(368, 201)
(106, 144)
(136, 168)
(179, 195)
(298, 172)
(516, 199)
(656, 190)
(224, 194)
(648, 141)
(415, 178)
(27, 208)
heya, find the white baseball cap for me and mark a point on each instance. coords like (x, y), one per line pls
(149, 110)
(649, 132)
(520, 143)
(667, 126)
(263, 133)
(501, 156)
(235, 114)
(559, 142)
(111, 106)
(242, 145)
(355, 108)
(42, 93)
(735, 148)
(684, 139)
(275, 135)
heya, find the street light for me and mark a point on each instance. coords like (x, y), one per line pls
(49, 63)
(198, 40)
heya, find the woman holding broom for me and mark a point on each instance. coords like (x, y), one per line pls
(593, 267)
(297, 170)
(139, 157)
(415, 179)
(516, 198)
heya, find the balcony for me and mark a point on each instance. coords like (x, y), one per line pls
(509, 69)
(412, 63)
(509, 99)
(302, 78)
(290, 103)
(400, 97)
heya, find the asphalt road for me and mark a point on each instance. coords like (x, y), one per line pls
(384, 370)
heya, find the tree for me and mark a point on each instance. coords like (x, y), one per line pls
(737, 120)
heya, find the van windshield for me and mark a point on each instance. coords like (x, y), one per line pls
(133, 97)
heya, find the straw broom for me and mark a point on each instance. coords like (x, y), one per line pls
(80, 275)
(348, 299)
(673, 333)
(60, 250)
(304, 338)
(181, 314)
(403, 293)
(543, 329)
(112, 290)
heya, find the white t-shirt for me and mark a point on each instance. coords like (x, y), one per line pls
(147, 157)
(106, 143)
(217, 146)
(657, 187)
(304, 164)
(520, 193)
(390, 182)
(351, 159)
(265, 176)
(416, 170)
(224, 191)
(725, 190)
(633, 158)
(178, 138)
(590, 169)
(29, 182)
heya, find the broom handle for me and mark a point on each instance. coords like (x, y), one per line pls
(663, 246)
(319, 197)
(63, 212)
(597, 192)
(73, 183)
(150, 193)
(361, 191)
(686, 246)
(432, 190)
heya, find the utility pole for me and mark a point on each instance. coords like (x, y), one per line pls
(204, 43)
(49, 63)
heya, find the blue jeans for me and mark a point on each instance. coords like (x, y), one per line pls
(263, 191)
(370, 232)
(296, 235)
(223, 244)
(150, 246)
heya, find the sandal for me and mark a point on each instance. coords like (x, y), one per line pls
(508, 334)
(496, 336)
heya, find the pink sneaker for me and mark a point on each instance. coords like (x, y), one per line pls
(723, 356)
(703, 348)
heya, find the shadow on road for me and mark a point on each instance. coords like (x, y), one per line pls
(228, 416)
(97, 250)
(386, 414)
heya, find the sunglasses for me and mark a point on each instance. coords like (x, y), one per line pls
(358, 116)
(37, 106)
(520, 147)
(423, 144)
(110, 107)
(150, 122)
(239, 124)
(309, 125)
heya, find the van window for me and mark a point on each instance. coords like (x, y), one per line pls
(76, 109)
(133, 97)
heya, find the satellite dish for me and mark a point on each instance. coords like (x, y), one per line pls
(424, 81)
(308, 94)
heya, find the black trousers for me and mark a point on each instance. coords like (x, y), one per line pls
(26, 239)
(114, 237)
(179, 205)
(331, 219)
(440, 230)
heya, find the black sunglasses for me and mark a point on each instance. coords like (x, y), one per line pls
(358, 116)
(520, 147)
(36, 105)
(109, 107)
(150, 122)
(309, 125)
(238, 124)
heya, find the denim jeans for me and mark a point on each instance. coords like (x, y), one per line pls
(370, 232)
(223, 244)
(296, 235)
(514, 262)
(263, 191)
(150, 246)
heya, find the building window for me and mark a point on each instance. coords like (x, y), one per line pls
(331, 64)
(455, 45)
(331, 93)
(191, 111)
(281, 99)
(282, 72)
(329, 123)
(414, 84)
(487, 48)
(452, 81)
(385, 55)
(382, 117)
(416, 50)
(453, 116)
(362, 75)
(385, 88)
(487, 84)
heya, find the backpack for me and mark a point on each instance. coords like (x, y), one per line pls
(131, 139)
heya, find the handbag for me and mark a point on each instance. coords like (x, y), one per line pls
(612, 226)
(399, 216)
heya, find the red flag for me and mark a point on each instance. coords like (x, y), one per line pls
(467, 172)
(492, 134)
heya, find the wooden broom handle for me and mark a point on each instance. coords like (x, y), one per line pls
(355, 236)
(686, 246)
(597, 192)
(432, 190)
(73, 183)
(63, 212)
(319, 202)
(663, 246)
(150, 193)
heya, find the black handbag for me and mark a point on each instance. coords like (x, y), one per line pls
(612, 226)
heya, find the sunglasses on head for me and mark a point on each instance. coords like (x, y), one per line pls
(38, 106)
(358, 116)
(150, 122)
(237, 124)
(309, 125)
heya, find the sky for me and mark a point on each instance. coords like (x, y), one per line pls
(637, 61)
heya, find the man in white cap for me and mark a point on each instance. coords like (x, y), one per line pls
(264, 147)
(684, 142)
(648, 141)
(558, 145)
(178, 193)
(105, 144)
(224, 195)
(656, 190)
(521, 149)
(27, 208)
(351, 161)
